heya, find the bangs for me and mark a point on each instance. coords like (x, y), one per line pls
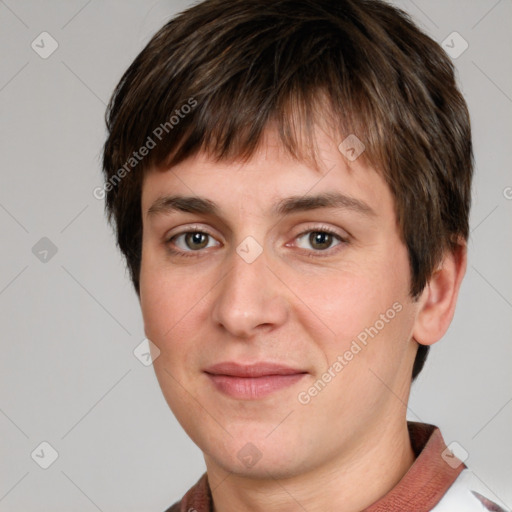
(294, 123)
(251, 80)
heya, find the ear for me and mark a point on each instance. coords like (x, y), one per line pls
(438, 299)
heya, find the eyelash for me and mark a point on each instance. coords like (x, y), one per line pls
(311, 253)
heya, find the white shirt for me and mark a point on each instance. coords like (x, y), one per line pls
(461, 496)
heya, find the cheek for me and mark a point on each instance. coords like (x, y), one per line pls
(163, 303)
(174, 309)
(343, 306)
(361, 314)
(168, 308)
(156, 306)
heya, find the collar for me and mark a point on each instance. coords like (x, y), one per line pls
(420, 489)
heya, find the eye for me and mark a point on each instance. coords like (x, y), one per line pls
(190, 242)
(320, 239)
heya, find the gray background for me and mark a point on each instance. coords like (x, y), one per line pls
(70, 324)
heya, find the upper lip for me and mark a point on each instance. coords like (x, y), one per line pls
(260, 369)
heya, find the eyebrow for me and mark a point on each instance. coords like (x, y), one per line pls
(287, 206)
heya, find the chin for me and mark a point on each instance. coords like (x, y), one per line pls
(251, 461)
(255, 456)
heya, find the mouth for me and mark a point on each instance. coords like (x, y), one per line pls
(253, 381)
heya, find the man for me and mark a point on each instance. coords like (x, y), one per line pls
(319, 154)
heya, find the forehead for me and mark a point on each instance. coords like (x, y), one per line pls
(262, 183)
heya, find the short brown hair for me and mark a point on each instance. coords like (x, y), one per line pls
(240, 65)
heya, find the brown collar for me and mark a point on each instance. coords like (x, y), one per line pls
(428, 479)
(420, 489)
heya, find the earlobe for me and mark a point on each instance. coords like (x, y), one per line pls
(438, 300)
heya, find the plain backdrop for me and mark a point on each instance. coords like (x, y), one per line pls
(70, 319)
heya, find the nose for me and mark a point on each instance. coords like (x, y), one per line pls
(250, 297)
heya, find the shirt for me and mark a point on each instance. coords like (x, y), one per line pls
(437, 481)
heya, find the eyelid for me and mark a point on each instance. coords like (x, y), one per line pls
(322, 227)
(189, 229)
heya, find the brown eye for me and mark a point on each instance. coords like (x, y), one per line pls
(196, 240)
(190, 242)
(320, 239)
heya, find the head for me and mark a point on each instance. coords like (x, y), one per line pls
(245, 103)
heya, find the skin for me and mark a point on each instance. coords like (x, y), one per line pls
(296, 304)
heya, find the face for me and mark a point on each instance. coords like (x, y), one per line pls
(282, 319)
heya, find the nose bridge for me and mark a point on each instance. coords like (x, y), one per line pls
(249, 295)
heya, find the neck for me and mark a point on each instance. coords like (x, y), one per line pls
(348, 483)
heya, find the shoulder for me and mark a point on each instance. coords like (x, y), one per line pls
(466, 495)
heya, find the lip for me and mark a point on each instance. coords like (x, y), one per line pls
(252, 381)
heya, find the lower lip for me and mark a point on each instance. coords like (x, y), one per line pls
(252, 388)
